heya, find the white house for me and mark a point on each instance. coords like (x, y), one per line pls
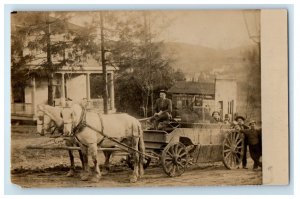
(69, 83)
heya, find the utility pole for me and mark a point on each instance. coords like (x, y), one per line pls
(49, 63)
(103, 62)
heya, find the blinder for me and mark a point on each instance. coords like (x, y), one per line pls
(40, 122)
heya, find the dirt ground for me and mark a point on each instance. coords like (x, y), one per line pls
(48, 168)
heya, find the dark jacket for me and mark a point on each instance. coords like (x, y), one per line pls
(164, 105)
(253, 136)
(244, 126)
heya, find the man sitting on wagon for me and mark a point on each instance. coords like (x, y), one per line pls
(162, 108)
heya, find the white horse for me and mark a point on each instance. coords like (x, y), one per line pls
(48, 119)
(92, 129)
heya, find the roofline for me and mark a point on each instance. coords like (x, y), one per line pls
(85, 69)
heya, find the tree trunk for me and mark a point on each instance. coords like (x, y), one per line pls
(147, 103)
(105, 90)
(50, 90)
(49, 66)
(152, 103)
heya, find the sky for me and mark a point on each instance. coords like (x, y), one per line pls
(224, 29)
(214, 29)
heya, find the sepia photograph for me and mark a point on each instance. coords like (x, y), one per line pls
(136, 98)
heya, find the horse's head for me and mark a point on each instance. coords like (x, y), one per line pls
(71, 117)
(68, 119)
(45, 121)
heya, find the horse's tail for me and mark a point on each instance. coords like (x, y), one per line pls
(141, 147)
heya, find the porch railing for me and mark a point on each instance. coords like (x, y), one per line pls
(24, 109)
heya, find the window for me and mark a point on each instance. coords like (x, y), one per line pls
(18, 93)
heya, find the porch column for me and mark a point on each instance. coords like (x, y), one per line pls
(88, 87)
(33, 95)
(112, 92)
(63, 92)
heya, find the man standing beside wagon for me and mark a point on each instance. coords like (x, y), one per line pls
(254, 140)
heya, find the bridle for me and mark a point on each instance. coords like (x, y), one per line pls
(52, 128)
(81, 123)
(69, 122)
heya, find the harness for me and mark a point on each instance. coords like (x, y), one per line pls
(82, 123)
(53, 126)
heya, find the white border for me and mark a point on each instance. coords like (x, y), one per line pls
(294, 77)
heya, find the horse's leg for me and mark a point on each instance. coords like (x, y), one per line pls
(72, 167)
(135, 156)
(107, 155)
(94, 153)
(141, 146)
(85, 175)
(82, 159)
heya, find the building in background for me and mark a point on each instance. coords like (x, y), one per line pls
(74, 84)
(205, 97)
(82, 81)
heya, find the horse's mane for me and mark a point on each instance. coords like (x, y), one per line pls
(53, 113)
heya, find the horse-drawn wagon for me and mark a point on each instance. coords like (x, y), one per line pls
(176, 145)
(180, 144)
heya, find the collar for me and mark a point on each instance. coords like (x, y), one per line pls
(82, 121)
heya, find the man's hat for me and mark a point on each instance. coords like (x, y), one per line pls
(252, 121)
(163, 91)
(214, 113)
(240, 117)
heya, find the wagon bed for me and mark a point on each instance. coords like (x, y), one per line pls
(195, 143)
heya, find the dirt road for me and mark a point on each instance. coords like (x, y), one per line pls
(118, 177)
(46, 168)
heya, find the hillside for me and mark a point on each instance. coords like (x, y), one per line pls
(193, 59)
(201, 63)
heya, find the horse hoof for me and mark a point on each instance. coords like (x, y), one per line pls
(70, 173)
(96, 178)
(133, 179)
(84, 177)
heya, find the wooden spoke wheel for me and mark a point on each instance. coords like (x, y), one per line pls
(129, 161)
(233, 150)
(175, 159)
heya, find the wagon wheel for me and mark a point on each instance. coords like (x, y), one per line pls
(174, 159)
(129, 161)
(233, 150)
